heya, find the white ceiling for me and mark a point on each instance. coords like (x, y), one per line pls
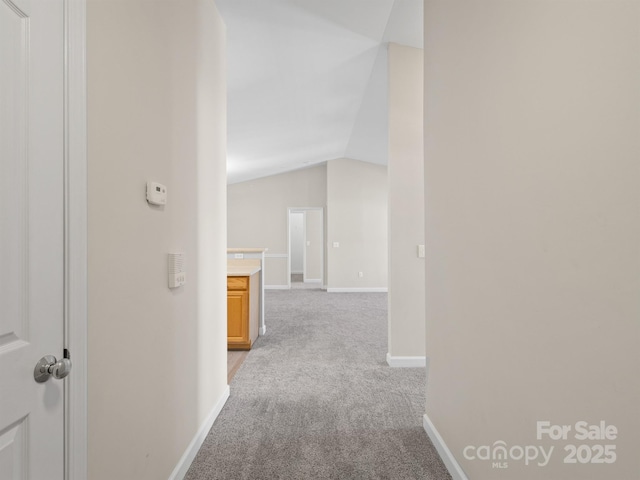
(307, 80)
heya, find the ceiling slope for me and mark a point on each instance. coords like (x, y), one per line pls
(307, 80)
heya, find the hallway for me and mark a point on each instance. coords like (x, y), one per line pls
(315, 399)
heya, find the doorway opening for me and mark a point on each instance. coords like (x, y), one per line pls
(305, 266)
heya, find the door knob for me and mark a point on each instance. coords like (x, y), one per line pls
(49, 366)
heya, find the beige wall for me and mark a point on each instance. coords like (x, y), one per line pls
(357, 219)
(156, 111)
(356, 195)
(257, 214)
(532, 114)
(406, 202)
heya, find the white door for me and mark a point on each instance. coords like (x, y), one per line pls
(31, 236)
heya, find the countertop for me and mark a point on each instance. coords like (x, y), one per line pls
(242, 270)
(246, 250)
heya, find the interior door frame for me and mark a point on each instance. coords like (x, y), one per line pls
(75, 238)
(304, 211)
(293, 211)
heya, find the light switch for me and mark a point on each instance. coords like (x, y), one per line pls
(421, 252)
(176, 270)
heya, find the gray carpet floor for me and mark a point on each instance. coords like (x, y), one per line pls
(315, 399)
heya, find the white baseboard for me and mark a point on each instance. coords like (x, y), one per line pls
(263, 330)
(190, 453)
(447, 457)
(277, 287)
(313, 280)
(358, 290)
(406, 362)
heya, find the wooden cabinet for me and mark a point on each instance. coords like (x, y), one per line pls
(242, 312)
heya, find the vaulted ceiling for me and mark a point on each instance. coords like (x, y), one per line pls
(307, 80)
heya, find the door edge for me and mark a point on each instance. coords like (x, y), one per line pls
(75, 241)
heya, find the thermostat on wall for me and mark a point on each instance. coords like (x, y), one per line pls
(177, 274)
(156, 193)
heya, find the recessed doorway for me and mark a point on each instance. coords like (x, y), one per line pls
(306, 247)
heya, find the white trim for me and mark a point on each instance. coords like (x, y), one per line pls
(406, 362)
(313, 280)
(447, 457)
(276, 255)
(277, 287)
(75, 261)
(190, 453)
(358, 290)
(263, 329)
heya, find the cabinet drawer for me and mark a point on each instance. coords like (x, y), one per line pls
(237, 283)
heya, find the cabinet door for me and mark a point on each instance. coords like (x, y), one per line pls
(237, 316)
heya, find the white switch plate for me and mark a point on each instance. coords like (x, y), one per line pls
(176, 269)
(336, 244)
(421, 252)
(360, 274)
